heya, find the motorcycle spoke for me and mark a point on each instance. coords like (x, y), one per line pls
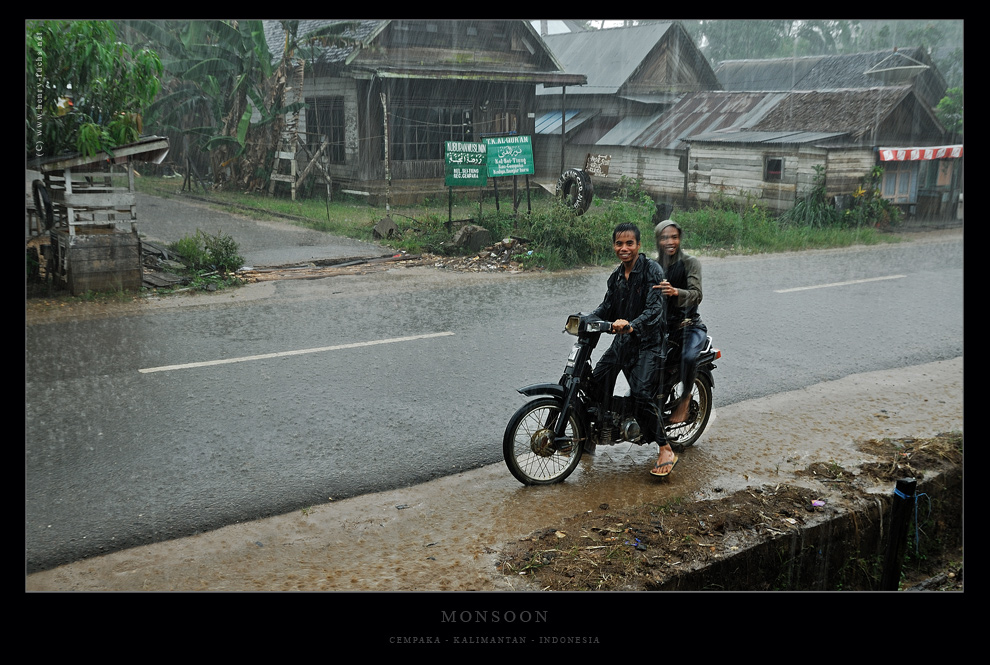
(529, 447)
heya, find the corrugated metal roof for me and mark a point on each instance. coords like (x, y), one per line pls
(770, 116)
(549, 123)
(819, 72)
(764, 75)
(743, 136)
(367, 31)
(627, 130)
(658, 98)
(608, 57)
(702, 112)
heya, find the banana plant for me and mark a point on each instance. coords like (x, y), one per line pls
(226, 91)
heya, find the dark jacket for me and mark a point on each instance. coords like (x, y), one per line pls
(683, 271)
(636, 301)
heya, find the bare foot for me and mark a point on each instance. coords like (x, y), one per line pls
(665, 462)
(681, 412)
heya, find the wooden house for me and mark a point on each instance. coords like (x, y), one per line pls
(757, 137)
(771, 154)
(634, 74)
(846, 113)
(765, 146)
(387, 103)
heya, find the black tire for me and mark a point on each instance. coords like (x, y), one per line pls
(683, 435)
(575, 189)
(43, 204)
(528, 444)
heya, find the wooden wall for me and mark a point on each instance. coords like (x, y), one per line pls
(735, 172)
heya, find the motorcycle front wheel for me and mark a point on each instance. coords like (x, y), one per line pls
(683, 435)
(528, 444)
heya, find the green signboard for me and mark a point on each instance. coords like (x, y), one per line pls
(509, 155)
(465, 164)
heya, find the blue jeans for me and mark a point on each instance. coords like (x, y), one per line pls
(692, 340)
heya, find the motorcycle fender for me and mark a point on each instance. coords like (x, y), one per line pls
(707, 372)
(553, 389)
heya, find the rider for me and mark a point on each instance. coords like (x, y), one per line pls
(636, 308)
(682, 287)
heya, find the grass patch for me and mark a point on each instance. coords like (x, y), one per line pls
(556, 236)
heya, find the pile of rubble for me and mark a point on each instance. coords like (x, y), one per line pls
(507, 255)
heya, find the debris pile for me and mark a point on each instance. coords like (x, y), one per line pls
(508, 255)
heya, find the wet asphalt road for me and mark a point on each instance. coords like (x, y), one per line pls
(132, 456)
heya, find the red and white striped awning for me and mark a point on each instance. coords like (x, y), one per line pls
(916, 154)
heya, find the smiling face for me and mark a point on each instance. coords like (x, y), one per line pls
(626, 248)
(669, 241)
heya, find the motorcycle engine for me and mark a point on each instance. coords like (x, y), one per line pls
(629, 429)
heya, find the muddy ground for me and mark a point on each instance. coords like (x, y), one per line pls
(645, 547)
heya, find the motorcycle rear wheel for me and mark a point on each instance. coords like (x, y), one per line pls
(528, 444)
(684, 435)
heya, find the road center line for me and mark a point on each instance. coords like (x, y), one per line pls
(264, 356)
(823, 286)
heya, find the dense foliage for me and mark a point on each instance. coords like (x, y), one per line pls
(225, 91)
(86, 90)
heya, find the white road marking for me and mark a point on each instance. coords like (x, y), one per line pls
(264, 356)
(823, 286)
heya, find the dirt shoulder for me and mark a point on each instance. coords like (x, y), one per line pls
(653, 546)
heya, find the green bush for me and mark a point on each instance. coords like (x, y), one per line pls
(191, 250)
(560, 238)
(205, 251)
(223, 252)
(566, 239)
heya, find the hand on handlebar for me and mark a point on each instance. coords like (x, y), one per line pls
(621, 327)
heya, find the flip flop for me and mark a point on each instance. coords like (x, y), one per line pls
(657, 467)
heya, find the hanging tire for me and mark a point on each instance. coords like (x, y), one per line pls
(43, 204)
(575, 189)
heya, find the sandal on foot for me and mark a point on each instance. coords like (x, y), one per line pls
(656, 467)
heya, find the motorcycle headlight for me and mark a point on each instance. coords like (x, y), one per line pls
(573, 325)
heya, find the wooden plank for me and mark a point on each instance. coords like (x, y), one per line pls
(116, 200)
(102, 261)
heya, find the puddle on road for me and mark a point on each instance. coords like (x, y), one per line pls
(615, 475)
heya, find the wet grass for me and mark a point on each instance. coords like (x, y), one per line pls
(558, 238)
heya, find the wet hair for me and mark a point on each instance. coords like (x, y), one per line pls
(626, 226)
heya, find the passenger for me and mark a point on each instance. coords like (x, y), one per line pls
(682, 286)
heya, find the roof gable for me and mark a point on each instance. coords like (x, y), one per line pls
(428, 47)
(607, 57)
(631, 59)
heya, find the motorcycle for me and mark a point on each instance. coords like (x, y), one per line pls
(546, 437)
